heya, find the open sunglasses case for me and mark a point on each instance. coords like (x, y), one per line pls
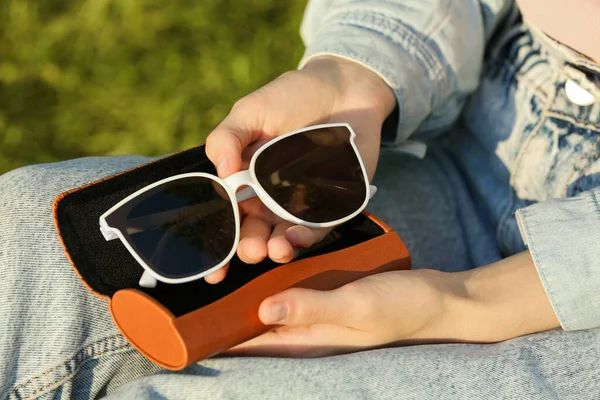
(176, 325)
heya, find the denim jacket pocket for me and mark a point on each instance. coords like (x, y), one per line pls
(560, 158)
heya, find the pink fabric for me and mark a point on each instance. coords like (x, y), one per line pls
(575, 23)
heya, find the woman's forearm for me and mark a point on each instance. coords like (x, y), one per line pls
(498, 302)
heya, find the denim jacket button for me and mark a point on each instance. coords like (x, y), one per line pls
(578, 95)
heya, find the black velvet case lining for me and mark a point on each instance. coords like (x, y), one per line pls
(108, 267)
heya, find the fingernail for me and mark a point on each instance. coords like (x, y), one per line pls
(277, 313)
(222, 166)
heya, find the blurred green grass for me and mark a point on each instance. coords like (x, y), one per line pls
(106, 77)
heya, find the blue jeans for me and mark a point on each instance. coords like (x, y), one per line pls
(58, 339)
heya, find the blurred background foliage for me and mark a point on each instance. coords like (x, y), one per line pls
(106, 77)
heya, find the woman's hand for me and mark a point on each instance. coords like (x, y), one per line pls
(326, 90)
(397, 307)
(488, 304)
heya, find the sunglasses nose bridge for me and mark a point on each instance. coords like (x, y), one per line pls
(239, 179)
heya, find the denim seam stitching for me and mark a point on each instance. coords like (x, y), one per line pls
(49, 386)
(569, 118)
(541, 272)
(52, 385)
(82, 356)
(67, 361)
(399, 34)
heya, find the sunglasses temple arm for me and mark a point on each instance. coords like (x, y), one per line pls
(147, 280)
(107, 233)
(373, 190)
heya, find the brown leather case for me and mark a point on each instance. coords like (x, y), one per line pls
(177, 325)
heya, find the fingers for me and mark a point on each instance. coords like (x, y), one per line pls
(282, 242)
(279, 248)
(253, 239)
(281, 245)
(302, 236)
(304, 307)
(224, 148)
(224, 145)
(217, 276)
(267, 112)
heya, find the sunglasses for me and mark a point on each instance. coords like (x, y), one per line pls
(187, 226)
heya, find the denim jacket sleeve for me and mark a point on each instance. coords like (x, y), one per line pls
(428, 51)
(563, 237)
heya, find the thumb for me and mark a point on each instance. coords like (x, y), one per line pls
(224, 145)
(303, 307)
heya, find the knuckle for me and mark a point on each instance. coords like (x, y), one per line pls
(212, 143)
(239, 105)
(301, 310)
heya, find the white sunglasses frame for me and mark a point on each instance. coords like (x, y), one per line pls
(231, 184)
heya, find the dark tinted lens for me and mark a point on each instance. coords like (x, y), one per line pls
(182, 228)
(315, 176)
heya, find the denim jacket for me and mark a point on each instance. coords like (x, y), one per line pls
(521, 114)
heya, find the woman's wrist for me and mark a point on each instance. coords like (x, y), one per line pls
(509, 299)
(497, 302)
(356, 86)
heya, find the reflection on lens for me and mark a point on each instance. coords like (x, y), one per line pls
(182, 228)
(315, 175)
